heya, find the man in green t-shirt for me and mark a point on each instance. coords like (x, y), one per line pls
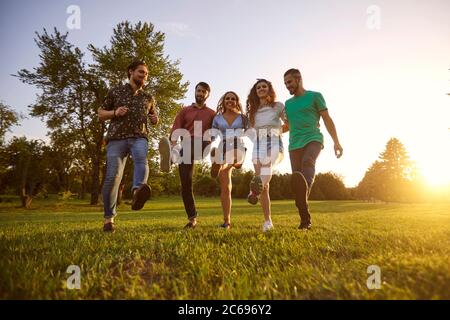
(303, 112)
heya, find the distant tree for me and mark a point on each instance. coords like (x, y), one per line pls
(373, 183)
(396, 162)
(329, 186)
(164, 183)
(280, 187)
(391, 178)
(241, 181)
(27, 167)
(204, 184)
(8, 118)
(67, 167)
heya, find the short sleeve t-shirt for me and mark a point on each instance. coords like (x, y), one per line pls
(135, 123)
(268, 117)
(303, 115)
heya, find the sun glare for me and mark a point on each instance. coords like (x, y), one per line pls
(436, 176)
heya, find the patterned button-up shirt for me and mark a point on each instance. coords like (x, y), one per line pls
(135, 123)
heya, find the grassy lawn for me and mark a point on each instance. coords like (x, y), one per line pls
(151, 257)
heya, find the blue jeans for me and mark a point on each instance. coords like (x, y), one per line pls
(117, 152)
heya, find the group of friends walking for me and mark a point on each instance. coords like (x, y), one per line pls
(131, 111)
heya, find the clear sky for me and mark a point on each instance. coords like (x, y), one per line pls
(378, 82)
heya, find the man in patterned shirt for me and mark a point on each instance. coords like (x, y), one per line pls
(129, 109)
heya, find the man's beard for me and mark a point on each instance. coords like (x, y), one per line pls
(138, 82)
(199, 100)
(293, 90)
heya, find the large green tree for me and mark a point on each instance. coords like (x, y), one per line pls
(165, 83)
(71, 91)
(68, 99)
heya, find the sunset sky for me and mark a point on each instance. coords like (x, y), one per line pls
(377, 83)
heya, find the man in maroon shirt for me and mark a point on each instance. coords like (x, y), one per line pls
(190, 124)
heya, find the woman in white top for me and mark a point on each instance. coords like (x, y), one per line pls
(268, 119)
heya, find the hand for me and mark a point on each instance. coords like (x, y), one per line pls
(338, 151)
(121, 111)
(153, 118)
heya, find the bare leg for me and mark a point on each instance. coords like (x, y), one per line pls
(225, 191)
(265, 172)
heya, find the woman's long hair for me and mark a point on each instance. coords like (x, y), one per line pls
(221, 104)
(253, 102)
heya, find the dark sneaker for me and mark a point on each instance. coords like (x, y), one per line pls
(256, 185)
(225, 225)
(190, 225)
(164, 154)
(140, 196)
(109, 227)
(252, 198)
(237, 165)
(305, 226)
(215, 167)
(256, 188)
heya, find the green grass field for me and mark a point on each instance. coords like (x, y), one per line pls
(151, 257)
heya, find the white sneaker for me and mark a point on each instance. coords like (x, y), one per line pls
(267, 226)
(175, 156)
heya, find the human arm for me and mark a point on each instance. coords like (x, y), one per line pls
(153, 114)
(177, 124)
(283, 116)
(107, 110)
(331, 128)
